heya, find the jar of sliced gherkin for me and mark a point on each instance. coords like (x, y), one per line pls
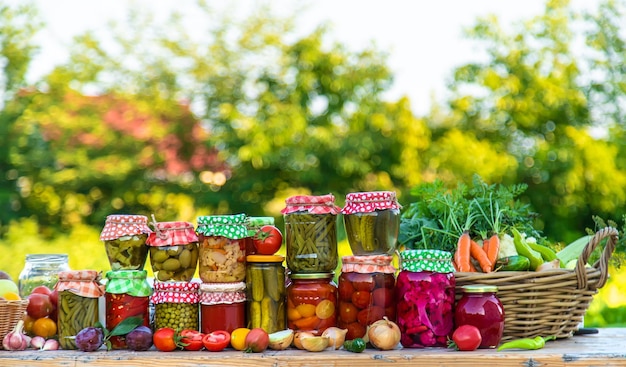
(79, 292)
(372, 221)
(173, 251)
(311, 233)
(124, 238)
(176, 305)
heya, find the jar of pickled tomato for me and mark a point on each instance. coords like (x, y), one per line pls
(222, 306)
(222, 248)
(124, 238)
(479, 306)
(372, 221)
(366, 293)
(173, 251)
(176, 305)
(127, 294)
(254, 224)
(265, 281)
(425, 298)
(311, 302)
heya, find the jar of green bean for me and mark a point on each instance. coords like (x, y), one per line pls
(311, 233)
(79, 293)
(176, 305)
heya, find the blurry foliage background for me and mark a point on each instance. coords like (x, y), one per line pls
(150, 120)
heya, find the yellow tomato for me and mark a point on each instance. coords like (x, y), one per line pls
(44, 327)
(306, 309)
(238, 338)
(325, 309)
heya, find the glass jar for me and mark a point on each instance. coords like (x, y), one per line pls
(366, 293)
(425, 298)
(173, 251)
(176, 305)
(41, 269)
(479, 306)
(311, 233)
(79, 292)
(222, 248)
(254, 224)
(265, 283)
(311, 302)
(372, 221)
(124, 238)
(127, 294)
(222, 306)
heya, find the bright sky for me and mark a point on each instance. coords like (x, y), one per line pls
(424, 38)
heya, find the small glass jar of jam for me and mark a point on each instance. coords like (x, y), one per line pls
(479, 306)
(366, 293)
(79, 294)
(425, 298)
(173, 251)
(311, 302)
(127, 294)
(222, 306)
(254, 224)
(311, 233)
(176, 305)
(265, 280)
(372, 221)
(124, 238)
(41, 269)
(222, 248)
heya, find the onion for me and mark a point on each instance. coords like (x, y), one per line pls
(297, 342)
(384, 334)
(554, 264)
(336, 336)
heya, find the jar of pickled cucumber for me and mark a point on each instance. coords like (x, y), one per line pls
(173, 251)
(254, 224)
(265, 280)
(41, 269)
(311, 302)
(366, 293)
(176, 305)
(79, 293)
(222, 306)
(311, 233)
(222, 248)
(124, 238)
(372, 221)
(127, 294)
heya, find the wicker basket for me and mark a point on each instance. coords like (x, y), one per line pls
(551, 302)
(10, 313)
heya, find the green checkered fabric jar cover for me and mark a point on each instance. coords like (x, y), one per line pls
(229, 226)
(131, 282)
(426, 260)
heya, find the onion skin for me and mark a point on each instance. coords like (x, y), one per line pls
(384, 334)
(336, 336)
(298, 336)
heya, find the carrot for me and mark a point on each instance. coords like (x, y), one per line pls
(472, 268)
(486, 245)
(462, 254)
(494, 247)
(480, 256)
(456, 267)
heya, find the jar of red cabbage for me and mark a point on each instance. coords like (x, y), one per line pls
(479, 306)
(425, 298)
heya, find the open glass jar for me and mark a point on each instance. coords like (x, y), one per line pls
(41, 269)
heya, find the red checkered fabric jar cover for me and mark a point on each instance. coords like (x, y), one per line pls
(172, 234)
(323, 204)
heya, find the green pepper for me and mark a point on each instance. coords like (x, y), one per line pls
(356, 345)
(535, 343)
(546, 252)
(524, 249)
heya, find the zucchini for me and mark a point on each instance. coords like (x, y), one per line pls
(573, 250)
(513, 263)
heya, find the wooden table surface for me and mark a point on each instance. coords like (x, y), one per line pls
(607, 348)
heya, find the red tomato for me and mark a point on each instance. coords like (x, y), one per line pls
(165, 339)
(347, 312)
(39, 305)
(355, 330)
(361, 299)
(466, 337)
(382, 297)
(345, 291)
(257, 340)
(191, 339)
(371, 315)
(363, 282)
(267, 240)
(216, 341)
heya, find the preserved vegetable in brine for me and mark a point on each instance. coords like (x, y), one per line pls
(124, 238)
(266, 292)
(311, 302)
(222, 248)
(173, 251)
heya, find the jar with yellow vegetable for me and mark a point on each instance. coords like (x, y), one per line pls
(222, 248)
(311, 233)
(124, 238)
(265, 283)
(311, 302)
(173, 251)
(176, 305)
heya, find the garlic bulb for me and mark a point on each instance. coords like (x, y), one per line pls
(16, 339)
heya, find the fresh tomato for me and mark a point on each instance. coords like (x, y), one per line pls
(267, 240)
(466, 338)
(216, 341)
(191, 339)
(166, 339)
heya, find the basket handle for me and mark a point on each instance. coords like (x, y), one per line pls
(603, 263)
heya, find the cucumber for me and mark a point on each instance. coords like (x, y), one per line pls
(513, 263)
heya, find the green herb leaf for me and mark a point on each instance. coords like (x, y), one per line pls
(126, 326)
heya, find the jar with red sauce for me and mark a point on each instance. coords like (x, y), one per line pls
(222, 306)
(311, 302)
(479, 306)
(127, 294)
(222, 248)
(366, 289)
(176, 305)
(425, 293)
(265, 283)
